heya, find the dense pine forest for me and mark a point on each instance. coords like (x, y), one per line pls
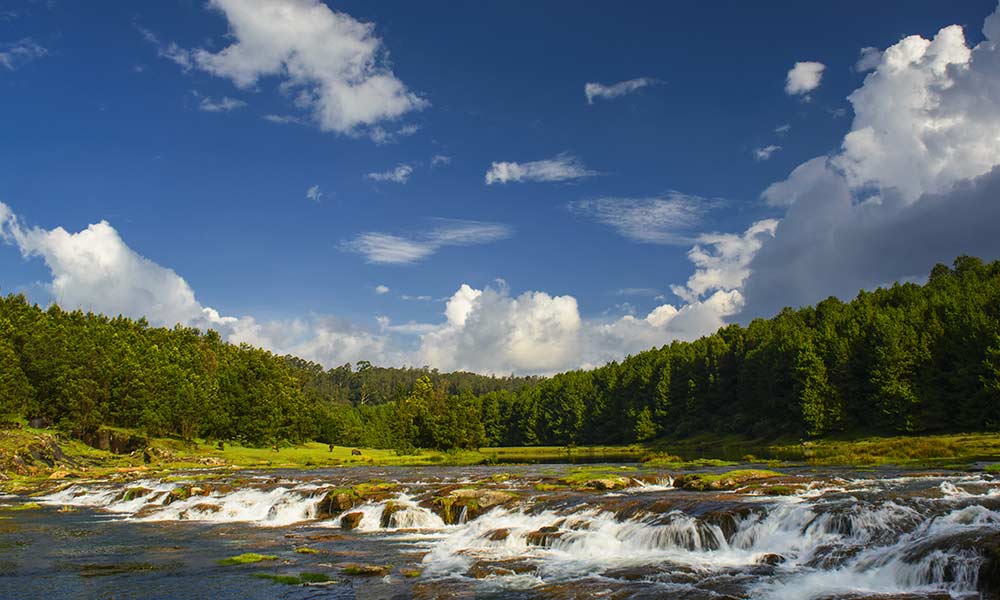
(906, 359)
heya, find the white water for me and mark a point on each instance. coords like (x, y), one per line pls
(845, 536)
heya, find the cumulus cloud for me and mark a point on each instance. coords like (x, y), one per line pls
(915, 182)
(332, 65)
(560, 168)
(401, 174)
(94, 269)
(666, 220)
(765, 152)
(381, 289)
(387, 248)
(19, 53)
(616, 90)
(804, 77)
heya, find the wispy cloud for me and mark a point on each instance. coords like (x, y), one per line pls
(401, 174)
(783, 129)
(638, 291)
(616, 90)
(214, 105)
(562, 167)
(169, 51)
(283, 119)
(439, 160)
(765, 152)
(663, 220)
(386, 248)
(24, 51)
(380, 135)
(314, 193)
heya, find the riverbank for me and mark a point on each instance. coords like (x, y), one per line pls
(30, 455)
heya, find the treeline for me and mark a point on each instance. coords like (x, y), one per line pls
(906, 359)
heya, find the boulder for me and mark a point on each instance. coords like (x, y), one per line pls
(544, 536)
(351, 520)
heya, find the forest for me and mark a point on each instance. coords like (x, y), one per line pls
(904, 359)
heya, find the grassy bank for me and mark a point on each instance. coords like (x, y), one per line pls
(31, 454)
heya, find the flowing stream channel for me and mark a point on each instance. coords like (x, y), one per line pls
(506, 532)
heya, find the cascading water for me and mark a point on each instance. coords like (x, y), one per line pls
(840, 537)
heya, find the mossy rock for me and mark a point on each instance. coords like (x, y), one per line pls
(358, 570)
(468, 501)
(133, 493)
(729, 480)
(247, 559)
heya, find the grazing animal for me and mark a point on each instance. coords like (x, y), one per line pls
(355, 452)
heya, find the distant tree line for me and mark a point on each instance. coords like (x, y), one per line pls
(905, 359)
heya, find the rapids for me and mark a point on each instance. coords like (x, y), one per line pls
(829, 534)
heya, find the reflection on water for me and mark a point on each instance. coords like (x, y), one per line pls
(503, 533)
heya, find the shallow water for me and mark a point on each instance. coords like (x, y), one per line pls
(841, 534)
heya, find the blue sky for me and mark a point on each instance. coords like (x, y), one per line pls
(108, 113)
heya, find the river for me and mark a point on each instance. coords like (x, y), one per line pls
(505, 532)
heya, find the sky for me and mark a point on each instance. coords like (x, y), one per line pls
(492, 186)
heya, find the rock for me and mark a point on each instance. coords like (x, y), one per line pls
(59, 474)
(390, 509)
(770, 559)
(502, 568)
(544, 536)
(468, 502)
(607, 483)
(334, 503)
(366, 570)
(351, 520)
(499, 535)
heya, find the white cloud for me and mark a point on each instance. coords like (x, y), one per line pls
(332, 65)
(560, 168)
(440, 159)
(19, 53)
(283, 119)
(380, 135)
(314, 193)
(804, 77)
(665, 220)
(783, 129)
(170, 51)
(765, 152)
(722, 260)
(616, 90)
(401, 174)
(223, 104)
(381, 289)
(386, 248)
(927, 117)
(868, 59)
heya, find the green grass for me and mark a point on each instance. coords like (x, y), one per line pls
(247, 559)
(994, 468)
